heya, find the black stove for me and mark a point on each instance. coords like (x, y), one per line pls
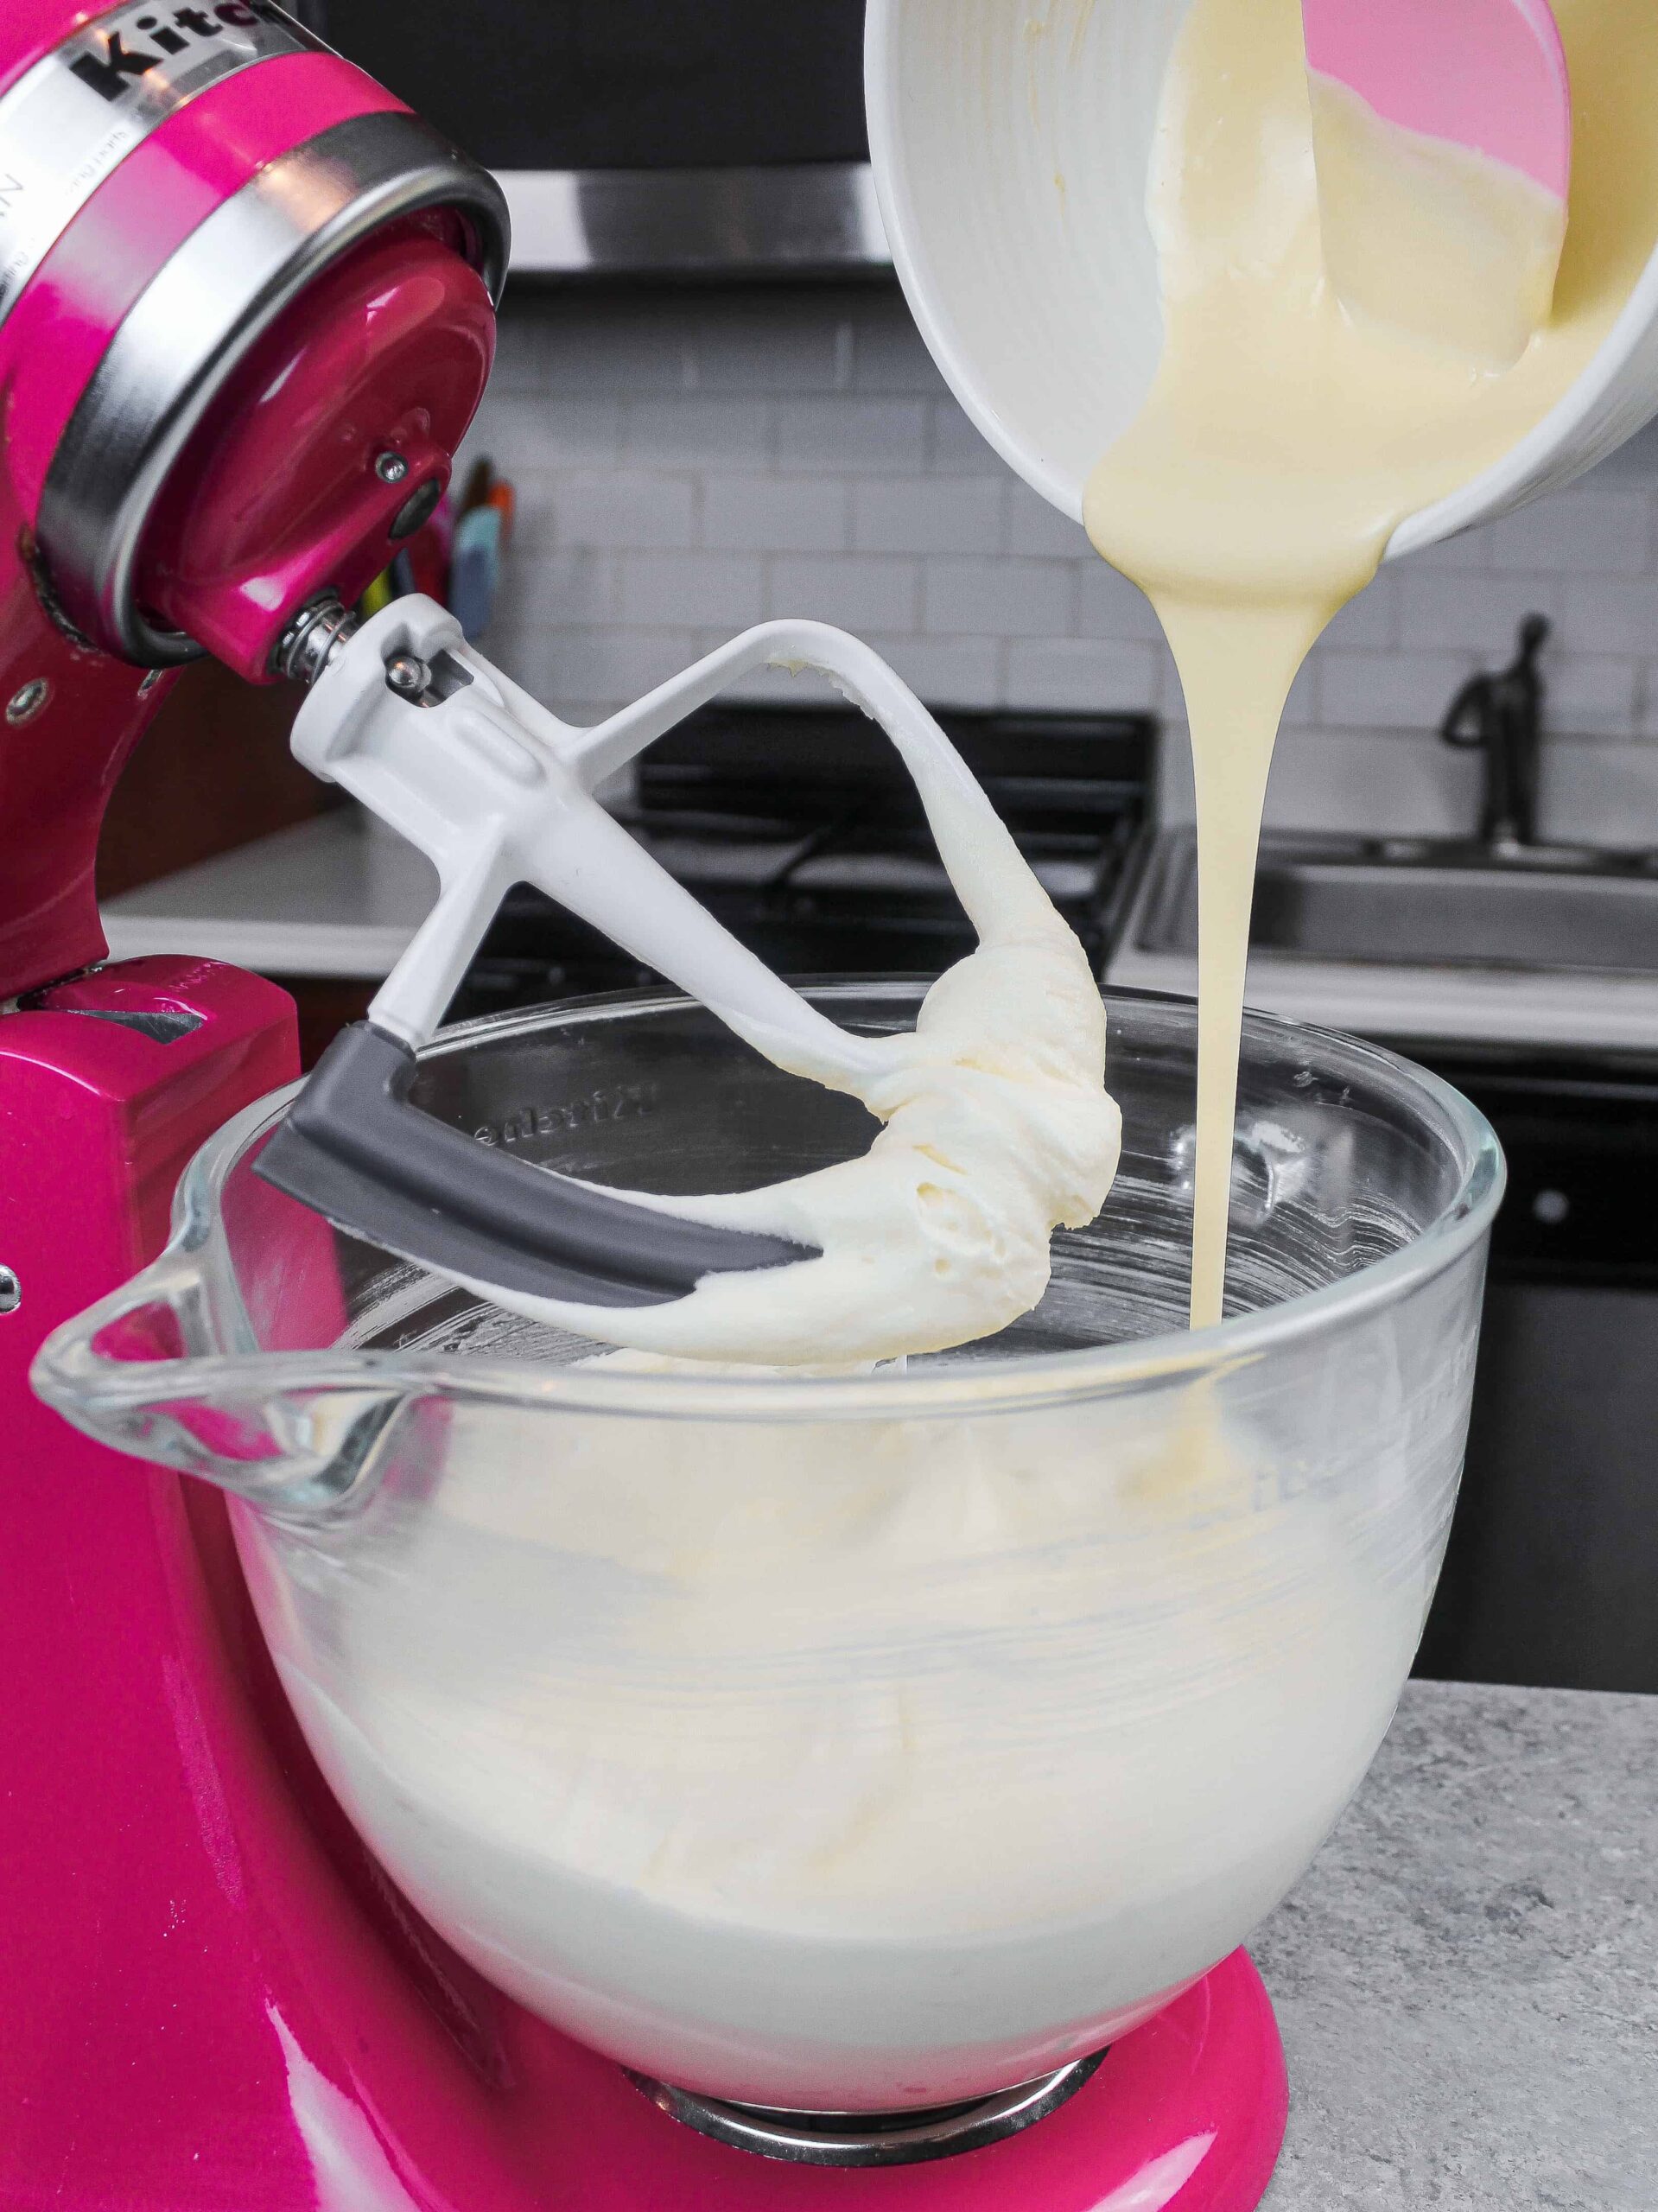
(800, 829)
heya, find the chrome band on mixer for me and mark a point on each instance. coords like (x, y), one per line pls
(223, 287)
(84, 107)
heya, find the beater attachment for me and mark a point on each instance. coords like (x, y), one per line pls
(496, 791)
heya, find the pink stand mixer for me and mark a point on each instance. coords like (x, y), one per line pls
(246, 313)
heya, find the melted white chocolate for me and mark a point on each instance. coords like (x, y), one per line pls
(1285, 441)
(996, 1127)
(1424, 236)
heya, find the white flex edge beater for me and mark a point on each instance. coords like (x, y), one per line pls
(997, 1125)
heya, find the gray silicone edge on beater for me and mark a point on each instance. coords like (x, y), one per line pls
(354, 1149)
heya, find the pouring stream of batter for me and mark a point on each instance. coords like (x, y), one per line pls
(1284, 443)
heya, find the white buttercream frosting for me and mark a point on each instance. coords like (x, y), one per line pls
(997, 1128)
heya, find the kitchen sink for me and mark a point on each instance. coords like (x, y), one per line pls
(1425, 903)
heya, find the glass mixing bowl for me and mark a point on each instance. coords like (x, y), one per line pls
(840, 1743)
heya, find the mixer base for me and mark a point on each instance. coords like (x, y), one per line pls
(850, 2139)
(1185, 2114)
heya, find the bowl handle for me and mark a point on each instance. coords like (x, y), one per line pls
(280, 1430)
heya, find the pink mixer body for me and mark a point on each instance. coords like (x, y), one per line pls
(214, 1999)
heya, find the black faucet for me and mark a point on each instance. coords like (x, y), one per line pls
(1502, 714)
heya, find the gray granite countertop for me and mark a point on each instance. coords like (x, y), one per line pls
(1467, 1980)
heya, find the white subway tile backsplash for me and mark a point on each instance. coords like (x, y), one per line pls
(1593, 694)
(1109, 606)
(696, 432)
(946, 671)
(998, 597)
(697, 588)
(1481, 614)
(957, 447)
(1399, 781)
(1636, 462)
(1611, 614)
(1035, 526)
(926, 514)
(887, 354)
(1082, 675)
(531, 432)
(1600, 793)
(612, 347)
(1469, 548)
(520, 362)
(847, 436)
(1575, 533)
(1371, 620)
(852, 594)
(772, 347)
(575, 589)
(1300, 708)
(600, 670)
(686, 464)
(1389, 691)
(1175, 798)
(619, 510)
(760, 514)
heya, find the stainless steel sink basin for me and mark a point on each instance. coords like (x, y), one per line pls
(1414, 903)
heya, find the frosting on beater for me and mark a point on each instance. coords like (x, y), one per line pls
(997, 1128)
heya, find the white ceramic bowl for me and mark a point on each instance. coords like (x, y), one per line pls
(1041, 303)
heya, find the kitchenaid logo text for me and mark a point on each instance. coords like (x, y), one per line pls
(117, 67)
(625, 1103)
(70, 121)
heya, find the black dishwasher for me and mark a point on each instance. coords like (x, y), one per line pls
(1552, 1575)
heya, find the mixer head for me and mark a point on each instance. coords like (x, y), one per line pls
(246, 313)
